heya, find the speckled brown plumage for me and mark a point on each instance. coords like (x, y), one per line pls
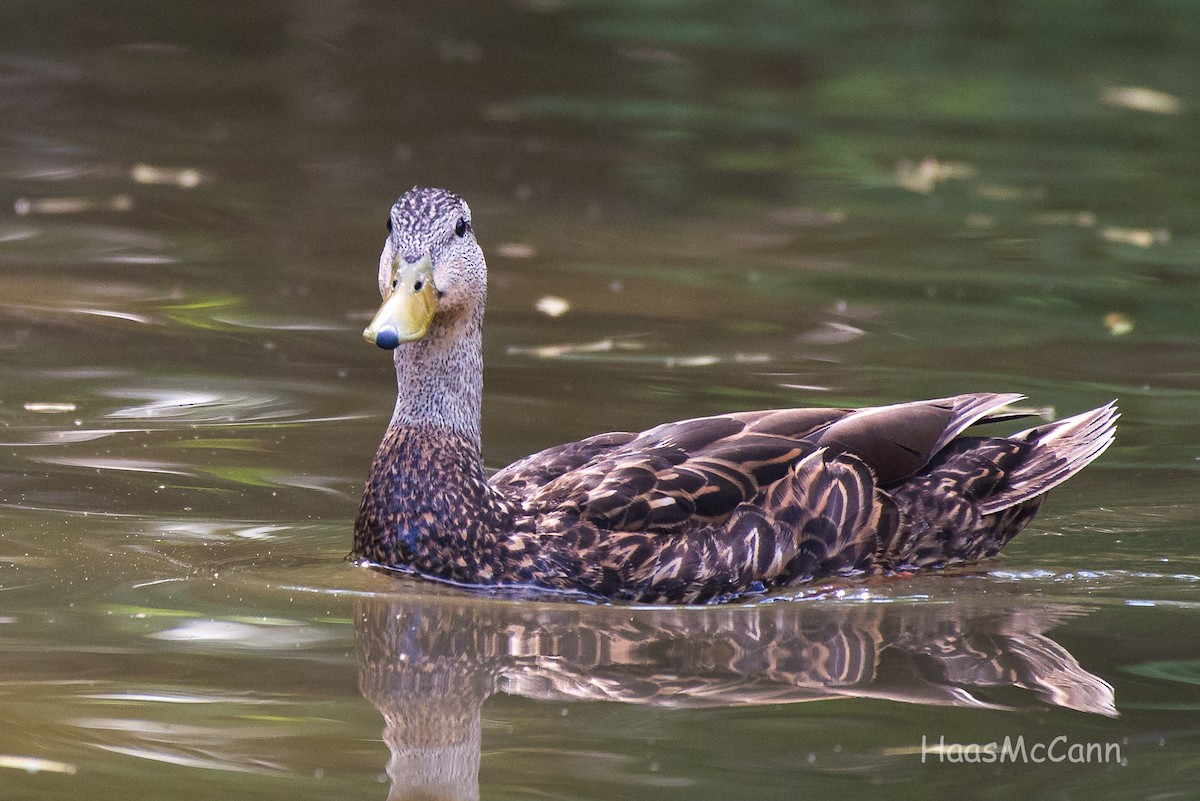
(693, 511)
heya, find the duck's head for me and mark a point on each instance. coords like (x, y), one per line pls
(431, 270)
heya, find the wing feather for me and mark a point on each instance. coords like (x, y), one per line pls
(696, 472)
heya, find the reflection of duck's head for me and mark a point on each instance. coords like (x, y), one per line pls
(429, 662)
(428, 671)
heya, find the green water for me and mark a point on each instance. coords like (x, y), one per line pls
(742, 206)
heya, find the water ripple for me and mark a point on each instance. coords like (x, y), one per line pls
(291, 635)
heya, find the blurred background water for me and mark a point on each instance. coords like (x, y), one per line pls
(688, 207)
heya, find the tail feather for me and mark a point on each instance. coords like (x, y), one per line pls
(1060, 450)
(980, 408)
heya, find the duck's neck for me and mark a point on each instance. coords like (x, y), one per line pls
(439, 379)
(427, 504)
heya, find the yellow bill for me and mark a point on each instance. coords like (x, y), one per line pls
(408, 310)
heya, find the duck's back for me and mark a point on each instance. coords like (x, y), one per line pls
(719, 505)
(696, 472)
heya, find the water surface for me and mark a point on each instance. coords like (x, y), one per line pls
(773, 204)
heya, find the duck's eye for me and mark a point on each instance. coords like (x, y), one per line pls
(460, 227)
(390, 224)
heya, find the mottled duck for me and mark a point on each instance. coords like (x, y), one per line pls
(693, 511)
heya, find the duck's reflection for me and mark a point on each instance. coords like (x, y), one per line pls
(428, 664)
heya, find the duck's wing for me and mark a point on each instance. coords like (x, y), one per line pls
(679, 473)
(696, 472)
(896, 441)
(538, 469)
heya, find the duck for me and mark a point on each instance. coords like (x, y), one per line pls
(704, 510)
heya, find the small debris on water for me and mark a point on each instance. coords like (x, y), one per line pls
(1141, 98)
(1139, 237)
(25, 207)
(1082, 219)
(1118, 323)
(184, 178)
(516, 250)
(35, 764)
(553, 306)
(50, 408)
(924, 176)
